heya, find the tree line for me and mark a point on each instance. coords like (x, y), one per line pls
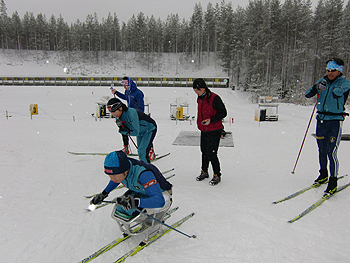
(266, 46)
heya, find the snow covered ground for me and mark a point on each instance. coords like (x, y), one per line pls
(42, 185)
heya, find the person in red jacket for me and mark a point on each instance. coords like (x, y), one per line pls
(211, 111)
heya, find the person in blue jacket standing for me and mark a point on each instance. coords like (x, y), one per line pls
(132, 122)
(148, 189)
(332, 91)
(134, 98)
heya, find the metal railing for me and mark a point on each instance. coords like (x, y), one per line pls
(212, 82)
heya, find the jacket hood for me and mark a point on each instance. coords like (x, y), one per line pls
(132, 85)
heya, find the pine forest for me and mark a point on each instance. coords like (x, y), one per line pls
(267, 47)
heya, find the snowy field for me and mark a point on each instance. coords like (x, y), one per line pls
(42, 186)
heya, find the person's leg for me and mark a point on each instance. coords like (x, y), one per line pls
(126, 148)
(213, 141)
(213, 146)
(335, 131)
(144, 144)
(321, 135)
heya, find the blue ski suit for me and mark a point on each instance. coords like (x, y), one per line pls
(330, 117)
(146, 182)
(133, 96)
(143, 127)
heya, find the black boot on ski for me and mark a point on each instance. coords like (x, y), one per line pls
(202, 176)
(323, 177)
(332, 185)
(216, 179)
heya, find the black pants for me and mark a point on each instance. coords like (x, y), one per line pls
(125, 139)
(209, 147)
(328, 135)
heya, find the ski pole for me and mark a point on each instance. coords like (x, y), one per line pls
(164, 224)
(151, 217)
(307, 129)
(133, 142)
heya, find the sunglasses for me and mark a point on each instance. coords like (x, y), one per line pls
(331, 70)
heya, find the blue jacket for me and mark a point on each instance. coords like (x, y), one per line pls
(133, 96)
(137, 122)
(331, 101)
(146, 182)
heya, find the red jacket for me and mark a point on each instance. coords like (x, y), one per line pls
(213, 109)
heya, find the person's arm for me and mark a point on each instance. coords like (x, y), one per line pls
(155, 197)
(321, 84)
(101, 196)
(344, 88)
(121, 95)
(133, 122)
(219, 106)
(140, 101)
(111, 186)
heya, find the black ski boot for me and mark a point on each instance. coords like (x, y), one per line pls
(332, 185)
(202, 176)
(216, 179)
(323, 177)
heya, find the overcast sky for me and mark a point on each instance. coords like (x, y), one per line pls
(71, 10)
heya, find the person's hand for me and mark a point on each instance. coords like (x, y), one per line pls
(119, 122)
(128, 202)
(99, 198)
(322, 85)
(113, 90)
(206, 122)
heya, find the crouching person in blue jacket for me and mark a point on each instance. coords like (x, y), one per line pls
(333, 91)
(132, 122)
(147, 186)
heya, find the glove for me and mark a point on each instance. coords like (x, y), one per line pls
(206, 122)
(99, 198)
(119, 122)
(122, 128)
(322, 85)
(113, 90)
(128, 202)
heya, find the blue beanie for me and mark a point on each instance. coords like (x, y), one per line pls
(335, 63)
(116, 163)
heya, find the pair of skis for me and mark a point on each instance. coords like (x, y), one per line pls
(104, 154)
(139, 247)
(314, 205)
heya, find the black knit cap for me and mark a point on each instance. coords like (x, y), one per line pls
(199, 83)
(115, 104)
